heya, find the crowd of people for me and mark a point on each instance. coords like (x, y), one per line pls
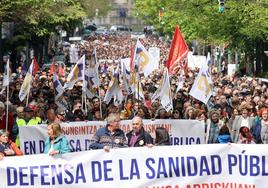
(236, 113)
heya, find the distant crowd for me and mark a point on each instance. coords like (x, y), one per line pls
(236, 113)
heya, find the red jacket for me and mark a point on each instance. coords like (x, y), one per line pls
(10, 123)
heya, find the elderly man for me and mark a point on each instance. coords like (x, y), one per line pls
(138, 137)
(110, 136)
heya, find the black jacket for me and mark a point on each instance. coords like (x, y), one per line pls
(144, 138)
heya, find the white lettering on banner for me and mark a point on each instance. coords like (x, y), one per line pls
(209, 166)
(79, 134)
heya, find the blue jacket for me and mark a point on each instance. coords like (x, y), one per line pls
(224, 139)
(103, 137)
(61, 144)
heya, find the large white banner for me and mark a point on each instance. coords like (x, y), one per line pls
(195, 166)
(79, 134)
(231, 69)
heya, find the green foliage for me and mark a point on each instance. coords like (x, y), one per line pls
(241, 23)
(40, 17)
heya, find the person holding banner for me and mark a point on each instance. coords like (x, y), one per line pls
(28, 120)
(162, 137)
(245, 136)
(138, 137)
(213, 126)
(56, 143)
(264, 126)
(110, 136)
(7, 147)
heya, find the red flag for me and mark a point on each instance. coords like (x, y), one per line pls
(36, 67)
(61, 70)
(52, 69)
(178, 50)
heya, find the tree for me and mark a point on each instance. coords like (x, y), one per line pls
(36, 20)
(243, 25)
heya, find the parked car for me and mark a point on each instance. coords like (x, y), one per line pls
(101, 30)
(116, 28)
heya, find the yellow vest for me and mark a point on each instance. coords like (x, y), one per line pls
(22, 122)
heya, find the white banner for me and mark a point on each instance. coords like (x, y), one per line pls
(126, 62)
(231, 69)
(155, 54)
(73, 51)
(195, 166)
(195, 61)
(79, 134)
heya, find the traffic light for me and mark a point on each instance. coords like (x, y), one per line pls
(221, 6)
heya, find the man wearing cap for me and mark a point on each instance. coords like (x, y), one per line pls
(3, 118)
(110, 136)
(28, 120)
(138, 137)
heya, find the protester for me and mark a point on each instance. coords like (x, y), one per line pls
(51, 116)
(60, 116)
(138, 137)
(245, 137)
(56, 143)
(28, 120)
(213, 126)
(241, 121)
(264, 126)
(224, 135)
(7, 147)
(161, 137)
(229, 93)
(110, 136)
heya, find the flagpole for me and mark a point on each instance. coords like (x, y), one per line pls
(7, 107)
(28, 94)
(82, 99)
(98, 82)
(7, 75)
(85, 104)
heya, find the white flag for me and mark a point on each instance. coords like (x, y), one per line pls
(180, 83)
(202, 87)
(164, 92)
(143, 62)
(6, 78)
(92, 77)
(126, 77)
(26, 85)
(57, 86)
(59, 99)
(114, 91)
(139, 92)
(76, 74)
